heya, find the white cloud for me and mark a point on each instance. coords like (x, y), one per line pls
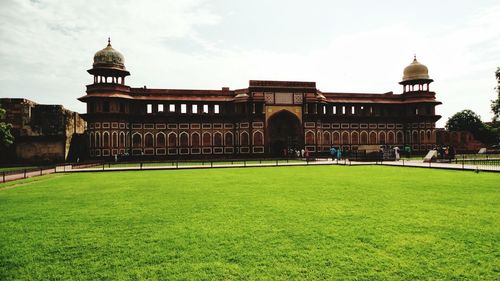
(47, 46)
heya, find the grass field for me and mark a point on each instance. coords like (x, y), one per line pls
(284, 223)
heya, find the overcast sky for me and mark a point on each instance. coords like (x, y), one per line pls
(345, 46)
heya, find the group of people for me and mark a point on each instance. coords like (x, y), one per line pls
(299, 153)
(446, 152)
(336, 153)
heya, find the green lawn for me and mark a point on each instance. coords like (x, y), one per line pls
(281, 223)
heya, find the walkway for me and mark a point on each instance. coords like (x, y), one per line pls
(5, 177)
(449, 166)
(208, 165)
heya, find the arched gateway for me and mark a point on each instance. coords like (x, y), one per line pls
(285, 132)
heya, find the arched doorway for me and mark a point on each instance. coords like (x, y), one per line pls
(285, 132)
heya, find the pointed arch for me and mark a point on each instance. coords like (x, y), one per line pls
(172, 139)
(160, 139)
(364, 137)
(207, 139)
(183, 139)
(122, 140)
(354, 138)
(390, 138)
(381, 138)
(148, 140)
(136, 140)
(327, 138)
(399, 137)
(105, 140)
(97, 139)
(114, 139)
(244, 138)
(228, 138)
(217, 139)
(336, 137)
(373, 137)
(310, 137)
(345, 137)
(195, 140)
(258, 138)
(415, 137)
(422, 136)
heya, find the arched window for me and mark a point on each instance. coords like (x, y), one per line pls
(122, 139)
(105, 139)
(172, 140)
(115, 139)
(336, 138)
(309, 137)
(229, 139)
(258, 138)
(136, 140)
(195, 140)
(244, 139)
(148, 140)
(207, 139)
(354, 138)
(399, 137)
(390, 137)
(364, 137)
(429, 137)
(217, 139)
(160, 140)
(345, 138)
(381, 138)
(184, 139)
(373, 138)
(326, 138)
(422, 136)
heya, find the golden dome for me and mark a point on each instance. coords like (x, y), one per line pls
(109, 58)
(415, 71)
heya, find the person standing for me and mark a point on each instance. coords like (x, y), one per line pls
(333, 153)
(396, 153)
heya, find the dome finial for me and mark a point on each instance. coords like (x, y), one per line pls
(414, 57)
(109, 41)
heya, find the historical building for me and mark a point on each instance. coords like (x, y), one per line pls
(262, 120)
(43, 133)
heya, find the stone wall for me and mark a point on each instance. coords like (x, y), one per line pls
(43, 133)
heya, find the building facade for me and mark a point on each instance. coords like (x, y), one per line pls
(42, 132)
(264, 119)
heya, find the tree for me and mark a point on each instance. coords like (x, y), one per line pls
(495, 104)
(465, 120)
(6, 138)
(468, 120)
